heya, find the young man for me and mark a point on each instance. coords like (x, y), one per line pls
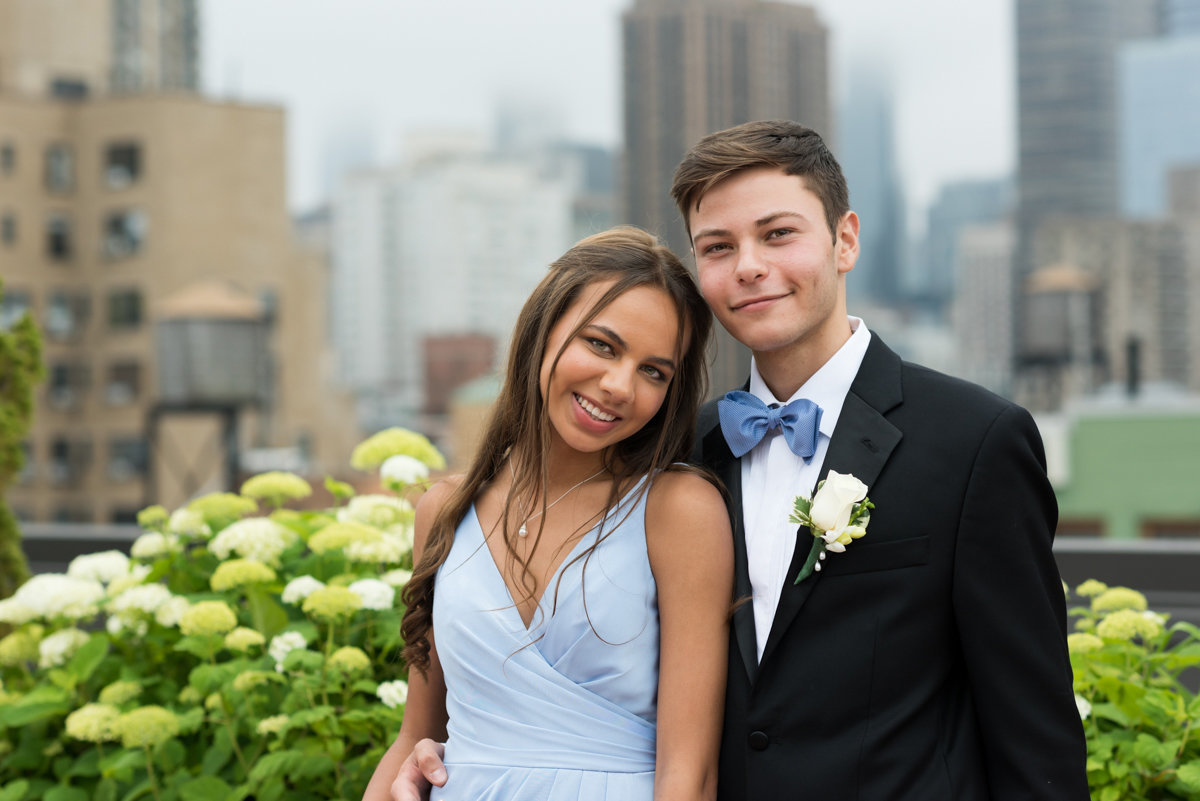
(928, 660)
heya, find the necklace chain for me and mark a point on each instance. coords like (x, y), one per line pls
(523, 531)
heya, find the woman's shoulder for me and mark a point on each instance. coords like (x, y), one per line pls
(684, 493)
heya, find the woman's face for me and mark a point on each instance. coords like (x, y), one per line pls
(614, 373)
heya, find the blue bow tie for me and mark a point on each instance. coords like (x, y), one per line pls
(745, 420)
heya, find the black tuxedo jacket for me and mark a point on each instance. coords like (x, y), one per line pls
(928, 661)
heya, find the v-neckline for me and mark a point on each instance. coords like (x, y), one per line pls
(554, 577)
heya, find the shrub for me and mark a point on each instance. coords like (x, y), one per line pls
(226, 659)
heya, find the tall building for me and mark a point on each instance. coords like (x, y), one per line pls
(81, 48)
(114, 207)
(958, 205)
(867, 151)
(692, 67)
(981, 311)
(1160, 118)
(1067, 115)
(411, 279)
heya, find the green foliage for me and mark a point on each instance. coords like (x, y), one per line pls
(20, 371)
(285, 705)
(1141, 720)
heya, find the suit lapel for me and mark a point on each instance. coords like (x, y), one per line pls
(720, 459)
(861, 445)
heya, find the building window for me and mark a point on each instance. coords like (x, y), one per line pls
(124, 309)
(60, 168)
(27, 466)
(68, 384)
(122, 164)
(59, 244)
(13, 306)
(8, 159)
(72, 513)
(124, 232)
(68, 89)
(126, 458)
(123, 383)
(70, 460)
(67, 314)
(8, 228)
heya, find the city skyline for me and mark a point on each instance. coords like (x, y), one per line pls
(952, 74)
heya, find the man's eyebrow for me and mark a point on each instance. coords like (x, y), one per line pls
(623, 345)
(760, 222)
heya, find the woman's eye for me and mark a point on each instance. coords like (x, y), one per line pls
(600, 345)
(655, 373)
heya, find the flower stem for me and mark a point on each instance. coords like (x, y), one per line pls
(150, 774)
(233, 742)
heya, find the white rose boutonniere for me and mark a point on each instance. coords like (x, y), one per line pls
(836, 514)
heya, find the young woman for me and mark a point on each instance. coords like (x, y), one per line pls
(567, 623)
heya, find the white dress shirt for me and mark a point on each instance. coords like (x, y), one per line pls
(772, 476)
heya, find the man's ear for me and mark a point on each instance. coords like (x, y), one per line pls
(846, 243)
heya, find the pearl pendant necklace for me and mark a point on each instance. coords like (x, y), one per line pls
(523, 531)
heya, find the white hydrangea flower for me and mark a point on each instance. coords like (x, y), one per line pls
(137, 574)
(117, 624)
(375, 594)
(300, 588)
(171, 611)
(51, 595)
(57, 648)
(257, 538)
(381, 511)
(387, 550)
(15, 613)
(154, 544)
(393, 693)
(403, 469)
(145, 598)
(283, 644)
(103, 566)
(398, 577)
(1083, 705)
(188, 523)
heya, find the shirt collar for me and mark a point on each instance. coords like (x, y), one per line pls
(829, 385)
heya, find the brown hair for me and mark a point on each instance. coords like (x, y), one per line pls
(519, 428)
(788, 145)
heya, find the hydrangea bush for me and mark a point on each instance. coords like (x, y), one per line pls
(244, 650)
(1142, 721)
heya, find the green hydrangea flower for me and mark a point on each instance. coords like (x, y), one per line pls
(18, 648)
(189, 696)
(146, 727)
(271, 725)
(331, 604)
(1082, 642)
(93, 723)
(243, 639)
(220, 509)
(276, 487)
(249, 679)
(340, 534)
(350, 659)
(238, 573)
(374, 450)
(1126, 624)
(119, 692)
(152, 518)
(1116, 598)
(208, 617)
(1091, 588)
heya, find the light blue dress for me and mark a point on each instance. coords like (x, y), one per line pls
(563, 711)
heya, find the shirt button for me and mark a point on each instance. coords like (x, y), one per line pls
(759, 740)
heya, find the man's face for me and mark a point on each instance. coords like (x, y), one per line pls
(769, 267)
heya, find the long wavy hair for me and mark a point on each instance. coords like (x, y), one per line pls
(520, 429)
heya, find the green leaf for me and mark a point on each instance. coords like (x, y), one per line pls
(273, 766)
(14, 791)
(1110, 793)
(106, 790)
(139, 790)
(1189, 776)
(64, 793)
(85, 661)
(268, 616)
(1151, 752)
(86, 765)
(204, 788)
(23, 713)
(218, 755)
(201, 646)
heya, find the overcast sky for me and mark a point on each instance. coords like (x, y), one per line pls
(358, 74)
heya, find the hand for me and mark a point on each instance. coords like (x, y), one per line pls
(422, 769)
